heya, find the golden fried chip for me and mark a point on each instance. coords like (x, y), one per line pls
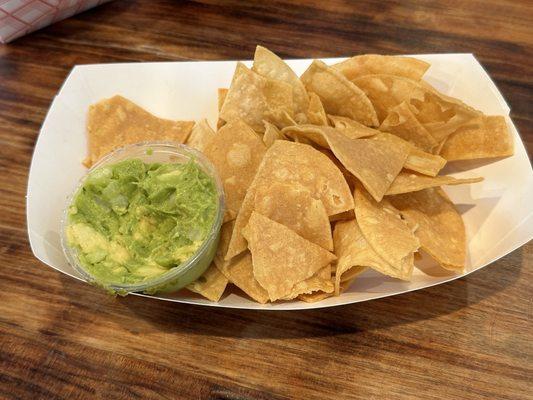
(371, 64)
(200, 135)
(222, 92)
(318, 134)
(292, 205)
(253, 98)
(388, 235)
(407, 182)
(441, 115)
(239, 271)
(375, 163)
(115, 122)
(319, 283)
(402, 122)
(211, 284)
(223, 243)
(489, 137)
(354, 254)
(339, 96)
(316, 114)
(281, 258)
(440, 227)
(272, 67)
(351, 128)
(272, 133)
(294, 163)
(418, 160)
(236, 152)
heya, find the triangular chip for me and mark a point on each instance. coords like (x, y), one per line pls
(318, 134)
(253, 98)
(417, 160)
(293, 206)
(236, 152)
(272, 133)
(269, 65)
(281, 258)
(388, 235)
(239, 271)
(223, 243)
(211, 284)
(370, 64)
(116, 122)
(489, 137)
(319, 283)
(441, 115)
(221, 97)
(402, 122)
(200, 135)
(407, 182)
(354, 254)
(293, 163)
(351, 128)
(316, 114)
(440, 227)
(339, 96)
(374, 163)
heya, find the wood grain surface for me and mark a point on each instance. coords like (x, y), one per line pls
(59, 338)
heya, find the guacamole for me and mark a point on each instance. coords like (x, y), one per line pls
(131, 221)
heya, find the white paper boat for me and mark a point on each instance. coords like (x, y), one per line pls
(498, 213)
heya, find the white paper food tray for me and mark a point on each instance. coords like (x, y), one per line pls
(498, 213)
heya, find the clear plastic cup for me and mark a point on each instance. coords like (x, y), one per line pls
(188, 271)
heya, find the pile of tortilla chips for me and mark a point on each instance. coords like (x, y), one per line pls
(325, 175)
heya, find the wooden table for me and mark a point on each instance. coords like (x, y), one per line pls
(59, 338)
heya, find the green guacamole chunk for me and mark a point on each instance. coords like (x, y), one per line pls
(132, 221)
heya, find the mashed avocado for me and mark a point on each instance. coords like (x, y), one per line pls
(133, 221)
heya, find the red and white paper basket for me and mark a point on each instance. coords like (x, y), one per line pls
(19, 17)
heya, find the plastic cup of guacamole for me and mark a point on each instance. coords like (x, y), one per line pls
(145, 218)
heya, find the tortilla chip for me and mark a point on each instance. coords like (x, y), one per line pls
(239, 271)
(253, 98)
(293, 206)
(412, 182)
(311, 134)
(281, 258)
(489, 137)
(225, 235)
(272, 67)
(272, 133)
(222, 92)
(351, 128)
(388, 235)
(116, 122)
(374, 163)
(339, 96)
(316, 114)
(236, 152)
(200, 135)
(402, 122)
(294, 163)
(440, 227)
(418, 160)
(318, 134)
(319, 283)
(441, 115)
(211, 284)
(354, 254)
(371, 64)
